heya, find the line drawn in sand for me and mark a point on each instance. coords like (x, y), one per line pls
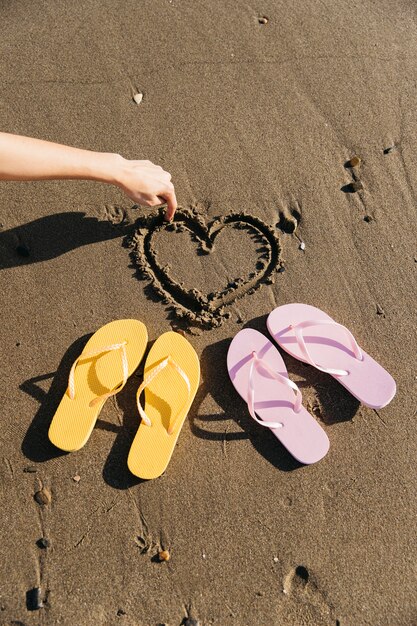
(195, 307)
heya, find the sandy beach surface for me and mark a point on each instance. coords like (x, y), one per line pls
(249, 115)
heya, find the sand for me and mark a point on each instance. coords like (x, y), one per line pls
(248, 117)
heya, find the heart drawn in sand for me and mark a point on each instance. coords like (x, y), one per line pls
(208, 310)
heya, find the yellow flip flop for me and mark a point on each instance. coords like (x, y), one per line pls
(109, 357)
(171, 378)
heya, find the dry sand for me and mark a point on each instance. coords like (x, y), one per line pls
(248, 117)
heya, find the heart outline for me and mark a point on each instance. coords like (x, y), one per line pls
(205, 310)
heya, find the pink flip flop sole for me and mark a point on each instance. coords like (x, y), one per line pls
(303, 437)
(330, 347)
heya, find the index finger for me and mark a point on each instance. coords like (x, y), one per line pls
(171, 201)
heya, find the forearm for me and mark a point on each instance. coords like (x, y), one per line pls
(24, 158)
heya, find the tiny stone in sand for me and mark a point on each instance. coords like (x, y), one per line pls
(355, 161)
(43, 496)
(34, 599)
(164, 555)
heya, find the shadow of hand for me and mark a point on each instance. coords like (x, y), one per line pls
(53, 235)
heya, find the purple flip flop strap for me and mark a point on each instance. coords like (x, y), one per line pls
(258, 363)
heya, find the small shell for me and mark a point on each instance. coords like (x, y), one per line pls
(138, 97)
(302, 246)
(76, 478)
(164, 555)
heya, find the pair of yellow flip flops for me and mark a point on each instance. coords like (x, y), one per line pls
(111, 355)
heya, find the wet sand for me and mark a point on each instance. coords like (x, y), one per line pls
(250, 116)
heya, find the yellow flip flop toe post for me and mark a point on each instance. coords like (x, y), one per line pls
(109, 357)
(170, 381)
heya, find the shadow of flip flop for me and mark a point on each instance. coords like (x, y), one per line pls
(36, 445)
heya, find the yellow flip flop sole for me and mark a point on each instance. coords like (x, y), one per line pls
(109, 357)
(171, 379)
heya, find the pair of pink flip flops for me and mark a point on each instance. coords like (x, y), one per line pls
(259, 374)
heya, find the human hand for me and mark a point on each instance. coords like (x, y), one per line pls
(147, 184)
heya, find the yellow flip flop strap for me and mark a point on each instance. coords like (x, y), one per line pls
(148, 379)
(89, 355)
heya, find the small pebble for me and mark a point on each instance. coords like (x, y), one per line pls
(281, 269)
(302, 246)
(43, 542)
(380, 310)
(138, 97)
(356, 185)
(355, 161)
(76, 478)
(263, 20)
(368, 218)
(34, 599)
(276, 559)
(164, 555)
(30, 469)
(191, 621)
(120, 612)
(389, 149)
(43, 496)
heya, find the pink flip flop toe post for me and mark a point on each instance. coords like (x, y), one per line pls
(259, 375)
(312, 336)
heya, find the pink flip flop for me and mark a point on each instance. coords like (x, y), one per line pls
(331, 348)
(259, 375)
